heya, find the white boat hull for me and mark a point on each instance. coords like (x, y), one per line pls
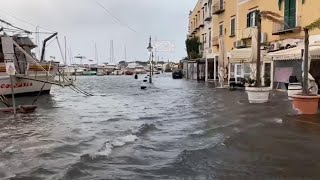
(25, 86)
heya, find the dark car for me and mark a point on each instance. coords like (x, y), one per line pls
(177, 74)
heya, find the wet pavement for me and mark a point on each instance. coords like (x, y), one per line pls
(176, 129)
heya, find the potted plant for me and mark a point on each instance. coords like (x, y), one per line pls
(257, 93)
(306, 103)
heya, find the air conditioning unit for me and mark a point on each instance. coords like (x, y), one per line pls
(239, 44)
(263, 38)
(274, 46)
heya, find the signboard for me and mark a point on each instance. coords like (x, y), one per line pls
(164, 46)
(283, 74)
(10, 68)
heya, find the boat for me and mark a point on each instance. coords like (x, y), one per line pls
(101, 70)
(140, 70)
(88, 72)
(110, 68)
(30, 75)
(117, 72)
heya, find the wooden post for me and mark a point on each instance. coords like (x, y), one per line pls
(198, 74)
(13, 99)
(306, 63)
(258, 71)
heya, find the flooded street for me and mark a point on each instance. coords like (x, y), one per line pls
(176, 129)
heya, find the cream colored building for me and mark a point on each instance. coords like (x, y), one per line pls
(233, 38)
(200, 25)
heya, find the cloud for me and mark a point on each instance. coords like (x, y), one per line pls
(85, 22)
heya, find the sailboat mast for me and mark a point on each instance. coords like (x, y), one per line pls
(96, 53)
(65, 50)
(110, 51)
(125, 53)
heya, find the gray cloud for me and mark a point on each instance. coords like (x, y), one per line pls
(85, 22)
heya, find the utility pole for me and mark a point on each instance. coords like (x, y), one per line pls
(150, 59)
(258, 72)
(306, 63)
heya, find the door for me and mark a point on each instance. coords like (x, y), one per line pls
(290, 14)
(267, 74)
(238, 72)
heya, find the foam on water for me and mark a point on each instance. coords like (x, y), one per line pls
(118, 142)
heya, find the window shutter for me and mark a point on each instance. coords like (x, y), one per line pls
(248, 20)
(279, 4)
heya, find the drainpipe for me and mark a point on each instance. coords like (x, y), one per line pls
(215, 68)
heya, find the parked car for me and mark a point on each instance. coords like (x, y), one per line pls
(177, 74)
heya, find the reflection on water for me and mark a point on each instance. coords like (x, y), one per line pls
(175, 129)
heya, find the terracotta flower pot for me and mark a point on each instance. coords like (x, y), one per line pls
(306, 104)
(258, 94)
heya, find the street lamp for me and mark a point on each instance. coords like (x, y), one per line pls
(150, 59)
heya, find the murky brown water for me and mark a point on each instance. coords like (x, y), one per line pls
(176, 129)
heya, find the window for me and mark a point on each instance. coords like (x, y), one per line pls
(210, 37)
(203, 14)
(204, 38)
(247, 70)
(233, 26)
(290, 13)
(221, 29)
(251, 19)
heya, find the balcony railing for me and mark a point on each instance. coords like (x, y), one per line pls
(208, 14)
(247, 33)
(218, 7)
(215, 41)
(289, 25)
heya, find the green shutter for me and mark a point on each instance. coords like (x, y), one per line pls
(279, 4)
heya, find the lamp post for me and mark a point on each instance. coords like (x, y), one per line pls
(150, 59)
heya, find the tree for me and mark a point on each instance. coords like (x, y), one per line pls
(193, 48)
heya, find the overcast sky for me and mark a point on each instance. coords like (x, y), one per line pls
(84, 22)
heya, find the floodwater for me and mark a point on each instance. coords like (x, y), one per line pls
(176, 129)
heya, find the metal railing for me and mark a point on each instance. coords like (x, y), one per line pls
(290, 24)
(247, 33)
(218, 7)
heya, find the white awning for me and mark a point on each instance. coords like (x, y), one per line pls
(241, 55)
(294, 53)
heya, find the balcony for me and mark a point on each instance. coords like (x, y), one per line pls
(208, 18)
(215, 41)
(218, 7)
(290, 25)
(208, 14)
(247, 33)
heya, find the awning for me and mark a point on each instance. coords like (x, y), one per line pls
(241, 55)
(294, 53)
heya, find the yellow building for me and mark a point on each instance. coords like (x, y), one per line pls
(200, 26)
(234, 35)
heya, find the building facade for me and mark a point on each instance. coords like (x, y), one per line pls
(233, 43)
